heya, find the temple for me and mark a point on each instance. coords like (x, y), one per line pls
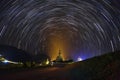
(59, 61)
(59, 57)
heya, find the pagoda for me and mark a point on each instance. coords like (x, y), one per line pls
(59, 57)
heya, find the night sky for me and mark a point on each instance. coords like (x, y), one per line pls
(79, 28)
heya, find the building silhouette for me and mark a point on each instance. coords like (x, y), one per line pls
(59, 57)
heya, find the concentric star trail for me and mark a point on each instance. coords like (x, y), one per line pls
(77, 27)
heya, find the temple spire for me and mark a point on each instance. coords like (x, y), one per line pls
(59, 57)
(59, 52)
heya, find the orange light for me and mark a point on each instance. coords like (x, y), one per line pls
(60, 40)
(56, 45)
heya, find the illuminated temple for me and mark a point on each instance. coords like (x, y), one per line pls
(59, 57)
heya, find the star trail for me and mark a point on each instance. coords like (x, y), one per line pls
(84, 28)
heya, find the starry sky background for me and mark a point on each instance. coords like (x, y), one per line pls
(84, 28)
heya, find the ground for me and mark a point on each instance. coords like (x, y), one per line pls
(106, 67)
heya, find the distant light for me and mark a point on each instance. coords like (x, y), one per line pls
(79, 59)
(47, 62)
(40, 64)
(51, 63)
(5, 61)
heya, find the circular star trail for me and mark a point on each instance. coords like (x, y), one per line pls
(85, 28)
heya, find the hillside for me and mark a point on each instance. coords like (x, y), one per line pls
(105, 67)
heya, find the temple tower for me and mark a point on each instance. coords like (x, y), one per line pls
(59, 57)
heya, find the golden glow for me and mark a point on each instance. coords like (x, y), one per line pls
(59, 40)
(56, 44)
(47, 62)
(2, 59)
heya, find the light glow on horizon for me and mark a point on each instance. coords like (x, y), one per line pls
(7, 61)
(79, 59)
